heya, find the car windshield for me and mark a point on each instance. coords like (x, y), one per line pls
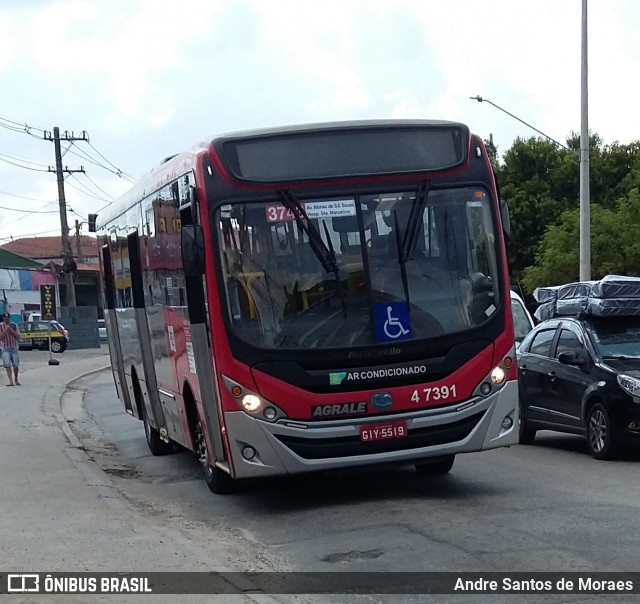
(616, 336)
(358, 270)
(521, 322)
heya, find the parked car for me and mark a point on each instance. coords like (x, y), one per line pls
(35, 334)
(582, 376)
(522, 320)
(102, 330)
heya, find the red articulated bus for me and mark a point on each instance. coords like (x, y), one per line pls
(315, 297)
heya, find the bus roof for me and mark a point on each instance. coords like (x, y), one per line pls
(253, 142)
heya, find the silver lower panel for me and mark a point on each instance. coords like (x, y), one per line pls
(274, 457)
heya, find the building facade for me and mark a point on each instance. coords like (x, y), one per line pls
(49, 252)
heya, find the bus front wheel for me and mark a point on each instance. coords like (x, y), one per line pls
(218, 481)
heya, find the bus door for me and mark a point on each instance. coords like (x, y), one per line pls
(149, 386)
(193, 262)
(115, 350)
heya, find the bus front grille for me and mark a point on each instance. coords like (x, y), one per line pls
(349, 446)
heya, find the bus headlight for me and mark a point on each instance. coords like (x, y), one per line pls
(251, 403)
(497, 375)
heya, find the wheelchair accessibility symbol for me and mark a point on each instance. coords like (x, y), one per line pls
(392, 321)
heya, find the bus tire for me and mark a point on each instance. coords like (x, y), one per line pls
(218, 481)
(441, 465)
(156, 445)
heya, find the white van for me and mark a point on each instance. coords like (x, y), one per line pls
(522, 321)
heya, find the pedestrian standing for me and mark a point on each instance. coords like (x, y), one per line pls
(9, 339)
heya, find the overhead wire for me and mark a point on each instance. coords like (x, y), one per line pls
(25, 197)
(81, 153)
(24, 128)
(111, 164)
(29, 211)
(13, 163)
(84, 188)
(30, 235)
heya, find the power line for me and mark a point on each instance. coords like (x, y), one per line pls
(23, 126)
(84, 155)
(19, 127)
(97, 186)
(26, 161)
(30, 235)
(6, 161)
(25, 197)
(111, 164)
(29, 211)
(84, 189)
(76, 213)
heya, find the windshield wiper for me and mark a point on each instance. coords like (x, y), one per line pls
(618, 357)
(325, 254)
(407, 245)
(414, 223)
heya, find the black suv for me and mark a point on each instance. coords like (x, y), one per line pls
(582, 375)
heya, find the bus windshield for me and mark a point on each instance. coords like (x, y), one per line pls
(361, 285)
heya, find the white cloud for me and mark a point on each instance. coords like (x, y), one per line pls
(148, 78)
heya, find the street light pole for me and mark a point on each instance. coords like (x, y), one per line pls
(481, 99)
(585, 202)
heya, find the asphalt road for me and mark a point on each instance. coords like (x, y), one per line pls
(544, 507)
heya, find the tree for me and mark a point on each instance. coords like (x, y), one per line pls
(528, 178)
(541, 182)
(615, 248)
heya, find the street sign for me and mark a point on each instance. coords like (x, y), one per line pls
(48, 302)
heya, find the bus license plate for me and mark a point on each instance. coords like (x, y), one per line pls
(371, 432)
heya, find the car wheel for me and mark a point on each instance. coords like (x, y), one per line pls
(218, 481)
(56, 346)
(600, 433)
(526, 433)
(441, 465)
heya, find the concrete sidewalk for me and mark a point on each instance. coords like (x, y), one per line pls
(58, 510)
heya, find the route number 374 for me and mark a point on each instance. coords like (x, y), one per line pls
(436, 393)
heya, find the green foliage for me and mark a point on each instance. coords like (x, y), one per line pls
(541, 183)
(492, 152)
(615, 248)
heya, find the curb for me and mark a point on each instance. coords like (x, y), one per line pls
(61, 417)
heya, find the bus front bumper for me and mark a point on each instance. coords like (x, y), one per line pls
(260, 448)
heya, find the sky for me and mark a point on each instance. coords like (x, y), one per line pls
(145, 79)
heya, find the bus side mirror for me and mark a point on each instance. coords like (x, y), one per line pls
(91, 221)
(192, 247)
(506, 220)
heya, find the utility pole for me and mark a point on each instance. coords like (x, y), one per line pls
(78, 242)
(68, 265)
